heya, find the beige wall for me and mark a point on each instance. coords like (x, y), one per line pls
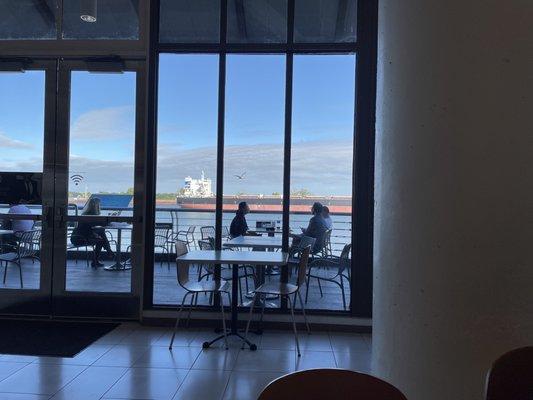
(453, 285)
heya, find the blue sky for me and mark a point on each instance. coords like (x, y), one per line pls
(103, 123)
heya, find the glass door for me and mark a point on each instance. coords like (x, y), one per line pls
(27, 143)
(98, 198)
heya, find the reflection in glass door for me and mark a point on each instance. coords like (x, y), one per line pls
(26, 185)
(95, 191)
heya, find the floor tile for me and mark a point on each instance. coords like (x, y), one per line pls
(91, 384)
(18, 358)
(246, 385)
(162, 357)
(344, 342)
(116, 335)
(121, 355)
(285, 341)
(40, 378)
(147, 383)
(266, 361)
(217, 358)
(315, 359)
(204, 385)
(85, 357)
(183, 338)
(9, 368)
(145, 336)
(354, 361)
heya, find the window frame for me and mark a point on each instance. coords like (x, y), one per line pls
(365, 50)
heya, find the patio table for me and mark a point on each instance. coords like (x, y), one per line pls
(234, 258)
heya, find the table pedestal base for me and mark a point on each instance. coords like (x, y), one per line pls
(253, 346)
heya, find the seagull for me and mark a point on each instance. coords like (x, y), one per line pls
(241, 176)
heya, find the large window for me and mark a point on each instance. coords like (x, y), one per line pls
(321, 161)
(186, 162)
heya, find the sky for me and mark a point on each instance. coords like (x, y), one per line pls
(102, 124)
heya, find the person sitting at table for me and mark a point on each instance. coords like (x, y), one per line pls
(316, 228)
(238, 226)
(327, 218)
(18, 226)
(91, 234)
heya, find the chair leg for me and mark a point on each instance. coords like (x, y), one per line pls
(190, 309)
(223, 322)
(5, 273)
(263, 304)
(303, 311)
(249, 320)
(342, 293)
(178, 320)
(291, 304)
(320, 287)
(240, 289)
(20, 274)
(307, 288)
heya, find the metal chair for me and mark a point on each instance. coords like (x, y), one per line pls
(281, 289)
(82, 244)
(25, 247)
(326, 383)
(331, 269)
(162, 234)
(296, 250)
(326, 250)
(193, 288)
(207, 232)
(187, 236)
(245, 271)
(511, 376)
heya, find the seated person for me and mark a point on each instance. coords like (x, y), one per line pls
(327, 218)
(90, 234)
(316, 228)
(238, 226)
(18, 226)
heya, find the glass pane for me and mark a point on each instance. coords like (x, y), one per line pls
(101, 19)
(321, 165)
(257, 21)
(102, 145)
(186, 164)
(21, 146)
(27, 19)
(253, 154)
(189, 21)
(325, 21)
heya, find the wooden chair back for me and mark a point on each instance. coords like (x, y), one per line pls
(511, 376)
(338, 384)
(302, 266)
(182, 269)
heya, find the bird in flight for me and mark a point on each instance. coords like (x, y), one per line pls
(241, 176)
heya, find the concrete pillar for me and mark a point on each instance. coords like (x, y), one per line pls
(453, 284)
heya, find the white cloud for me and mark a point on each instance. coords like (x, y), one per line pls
(105, 123)
(7, 142)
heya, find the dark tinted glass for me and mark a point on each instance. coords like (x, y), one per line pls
(27, 19)
(112, 19)
(189, 21)
(257, 21)
(325, 21)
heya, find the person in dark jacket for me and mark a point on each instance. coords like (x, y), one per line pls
(238, 226)
(317, 227)
(90, 234)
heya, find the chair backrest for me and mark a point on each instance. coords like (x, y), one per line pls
(182, 269)
(344, 259)
(306, 241)
(340, 384)
(207, 232)
(327, 243)
(302, 266)
(162, 234)
(27, 242)
(191, 229)
(511, 376)
(205, 245)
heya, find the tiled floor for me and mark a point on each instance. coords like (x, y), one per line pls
(133, 362)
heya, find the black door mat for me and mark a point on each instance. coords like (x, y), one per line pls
(49, 338)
